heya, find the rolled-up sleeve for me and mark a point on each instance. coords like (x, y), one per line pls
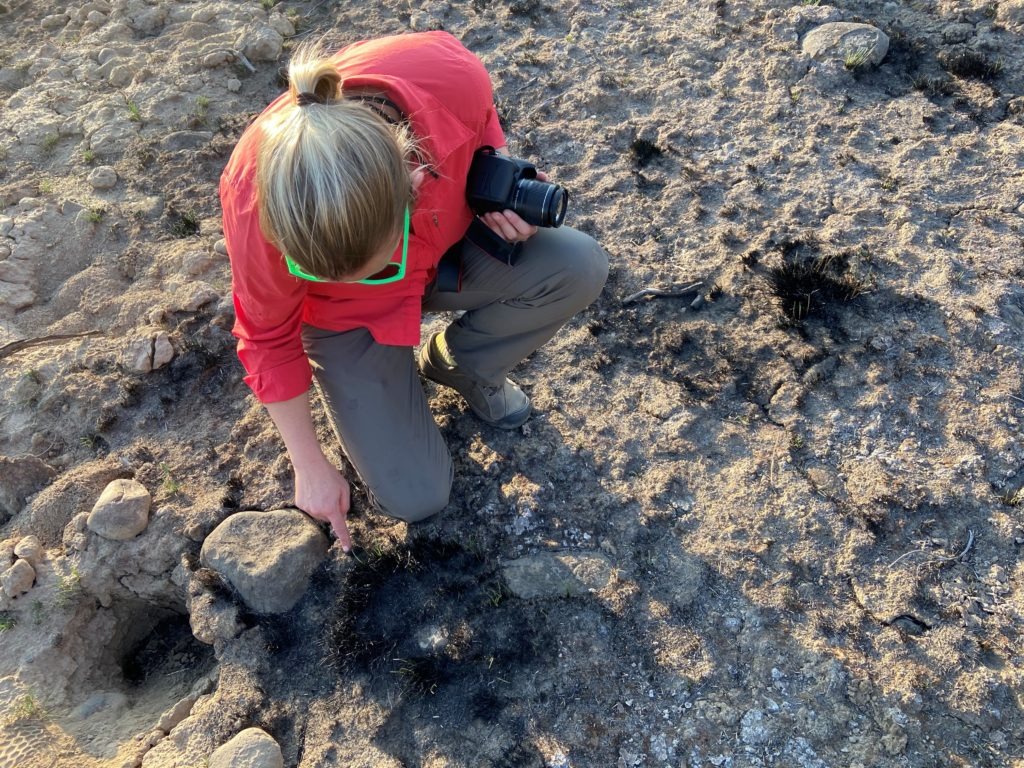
(268, 302)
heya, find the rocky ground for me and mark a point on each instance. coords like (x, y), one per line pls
(775, 520)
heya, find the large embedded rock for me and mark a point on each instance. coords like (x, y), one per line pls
(859, 43)
(121, 512)
(251, 748)
(557, 574)
(267, 557)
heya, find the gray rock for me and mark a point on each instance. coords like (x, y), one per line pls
(121, 512)
(29, 549)
(16, 296)
(103, 177)
(111, 137)
(151, 207)
(251, 748)
(148, 353)
(261, 43)
(54, 21)
(218, 58)
(860, 43)
(957, 33)
(185, 140)
(200, 295)
(213, 619)
(120, 76)
(176, 714)
(138, 355)
(18, 579)
(149, 20)
(281, 24)
(102, 701)
(163, 351)
(267, 556)
(196, 262)
(557, 574)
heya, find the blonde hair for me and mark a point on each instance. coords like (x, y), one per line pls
(332, 175)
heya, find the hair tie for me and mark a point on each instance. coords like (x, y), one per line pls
(305, 99)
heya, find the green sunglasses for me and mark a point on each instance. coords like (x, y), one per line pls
(392, 273)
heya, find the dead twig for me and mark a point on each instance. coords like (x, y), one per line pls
(658, 293)
(940, 560)
(16, 346)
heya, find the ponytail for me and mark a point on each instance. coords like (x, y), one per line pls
(333, 177)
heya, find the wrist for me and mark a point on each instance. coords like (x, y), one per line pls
(310, 458)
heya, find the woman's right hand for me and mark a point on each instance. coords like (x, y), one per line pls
(323, 494)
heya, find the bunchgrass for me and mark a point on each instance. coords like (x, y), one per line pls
(857, 59)
(69, 587)
(27, 708)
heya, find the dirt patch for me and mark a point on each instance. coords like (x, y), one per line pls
(805, 474)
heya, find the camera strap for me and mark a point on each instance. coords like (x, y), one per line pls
(491, 243)
(449, 269)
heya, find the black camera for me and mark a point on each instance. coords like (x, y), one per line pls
(498, 183)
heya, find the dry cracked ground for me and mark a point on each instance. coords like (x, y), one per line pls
(774, 519)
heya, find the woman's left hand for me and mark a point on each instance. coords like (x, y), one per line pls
(509, 225)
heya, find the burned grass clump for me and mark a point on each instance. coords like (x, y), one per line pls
(182, 224)
(431, 616)
(967, 63)
(934, 87)
(810, 284)
(644, 152)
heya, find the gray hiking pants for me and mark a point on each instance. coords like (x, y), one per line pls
(373, 392)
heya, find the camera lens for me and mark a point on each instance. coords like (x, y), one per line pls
(540, 202)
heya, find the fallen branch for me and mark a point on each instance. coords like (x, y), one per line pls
(17, 346)
(658, 293)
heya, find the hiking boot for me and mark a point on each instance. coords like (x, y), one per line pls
(505, 405)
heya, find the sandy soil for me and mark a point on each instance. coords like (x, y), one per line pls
(807, 487)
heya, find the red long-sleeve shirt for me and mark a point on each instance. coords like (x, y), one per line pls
(446, 94)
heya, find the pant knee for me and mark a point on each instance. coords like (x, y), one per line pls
(413, 504)
(584, 266)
